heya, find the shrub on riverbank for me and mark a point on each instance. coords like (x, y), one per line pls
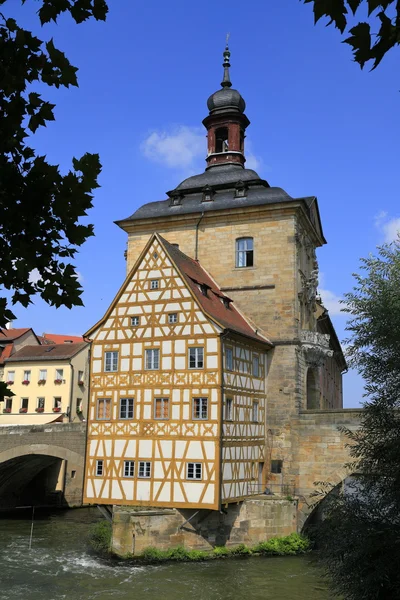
(284, 546)
(100, 537)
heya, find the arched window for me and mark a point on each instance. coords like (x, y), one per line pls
(313, 393)
(244, 252)
(221, 140)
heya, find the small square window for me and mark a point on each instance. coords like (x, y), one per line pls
(99, 468)
(135, 321)
(173, 318)
(194, 471)
(154, 284)
(144, 469)
(276, 466)
(129, 468)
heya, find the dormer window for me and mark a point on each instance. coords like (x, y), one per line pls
(240, 190)
(208, 194)
(176, 200)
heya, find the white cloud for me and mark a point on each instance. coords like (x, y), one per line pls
(180, 147)
(331, 301)
(389, 227)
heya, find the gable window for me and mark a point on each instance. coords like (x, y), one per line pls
(244, 252)
(229, 359)
(111, 361)
(129, 468)
(10, 377)
(135, 321)
(154, 284)
(194, 471)
(126, 408)
(161, 408)
(153, 359)
(200, 408)
(196, 358)
(254, 412)
(228, 409)
(173, 318)
(144, 469)
(99, 468)
(240, 190)
(103, 409)
(208, 194)
(256, 366)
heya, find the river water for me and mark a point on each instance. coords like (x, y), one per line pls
(61, 566)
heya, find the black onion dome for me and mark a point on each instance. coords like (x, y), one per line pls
(226, 99)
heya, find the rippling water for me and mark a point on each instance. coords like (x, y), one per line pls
(61, 566)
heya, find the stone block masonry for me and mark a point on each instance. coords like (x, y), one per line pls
(255, 520)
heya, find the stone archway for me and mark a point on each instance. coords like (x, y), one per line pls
(22, 465)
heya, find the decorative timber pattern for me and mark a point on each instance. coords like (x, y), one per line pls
(155, 414)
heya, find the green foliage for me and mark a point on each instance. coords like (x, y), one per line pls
(283, 546)
(198, 555)
(359, 537)
(219, 551)
(366, 46)
(41, 208)
(100, 537)
(240, 550)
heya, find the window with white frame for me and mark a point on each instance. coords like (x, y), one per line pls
(194, 471)
(144, 469)
(129, 468)
(196, 358)
(24, 403)
(111, 361)
(256, 366)
(27, 375)
(60, 374)
(57, 402)
(229, 359)
(228, 409)
(103, 409)
(244, 252)
(152, 359)
(126, 408)
(8, 404)
(254, 412)
(40, 403)
(173, 318)
(200, 408)
(43, 375)
(10, 376)
(99, 467)
(135, 321)
(161, 408)
(154, 284)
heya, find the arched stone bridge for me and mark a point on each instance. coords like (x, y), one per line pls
(321, 451)
(40, 462)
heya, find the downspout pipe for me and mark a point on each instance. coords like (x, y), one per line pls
(196, 250)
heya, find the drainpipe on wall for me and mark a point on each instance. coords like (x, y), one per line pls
(71, 392)
(196, 251)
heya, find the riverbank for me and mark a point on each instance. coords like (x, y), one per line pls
(290, 545)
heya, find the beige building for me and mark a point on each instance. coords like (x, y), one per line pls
(257, 244)
(50, 382)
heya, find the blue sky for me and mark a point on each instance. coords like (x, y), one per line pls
(319, 126)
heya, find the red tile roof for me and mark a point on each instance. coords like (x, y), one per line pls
(47, 352)
(8, 335)
(55, 338)
(5, 353)
(212, 303)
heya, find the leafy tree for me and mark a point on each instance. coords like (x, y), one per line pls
(366, 46)
(359, 536)
(40, 208)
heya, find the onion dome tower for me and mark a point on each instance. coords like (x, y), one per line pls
(226, 123)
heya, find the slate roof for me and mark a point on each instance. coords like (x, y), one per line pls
(47, 352)
(212, 303)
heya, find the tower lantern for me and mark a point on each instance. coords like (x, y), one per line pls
(226, 123)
